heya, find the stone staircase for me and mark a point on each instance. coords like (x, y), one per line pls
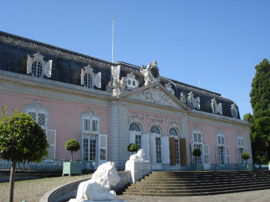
(187, 183)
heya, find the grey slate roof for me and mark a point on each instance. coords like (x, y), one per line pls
(66, 67)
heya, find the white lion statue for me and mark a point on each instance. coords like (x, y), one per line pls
(139, 156)
(98, 187)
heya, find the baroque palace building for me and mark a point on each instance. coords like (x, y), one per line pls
(106, 106)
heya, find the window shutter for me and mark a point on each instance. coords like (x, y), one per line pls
(228, 157)
(95, 125)
(82, 76)
(192, 149)
(217, 159)
(42, 119)
(131, 137)
(206, 154)
(102, 148)
(33, 115)
(51, 139)
(48, 69)
(165, 151)
(172, 151)
(29, 65)
(146, 146)
(153, 149)
(98, 80)
(183, 152)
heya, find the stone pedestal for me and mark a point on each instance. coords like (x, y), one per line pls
(138, 169)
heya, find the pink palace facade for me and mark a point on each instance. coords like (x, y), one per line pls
(106, 106)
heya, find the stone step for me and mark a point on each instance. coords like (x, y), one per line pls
(193, 185)
(198, 183)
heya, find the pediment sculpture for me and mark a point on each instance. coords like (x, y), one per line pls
(156, 96)
(192, 102)
(215, 107)
(150, 73)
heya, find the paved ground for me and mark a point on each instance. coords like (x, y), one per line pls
(260, 196)
(33, 190)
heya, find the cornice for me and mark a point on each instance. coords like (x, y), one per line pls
(218, 117)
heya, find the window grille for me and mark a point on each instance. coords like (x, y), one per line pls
(220, 155)
(158, 149)
(138, 141)
(134, 127)
(177, 155)
(173, 132)
(36, 69)
(88, 80)
(155, 129)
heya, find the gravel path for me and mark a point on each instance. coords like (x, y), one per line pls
(33, 190)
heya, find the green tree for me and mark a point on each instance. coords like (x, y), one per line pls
(22, 140)
(260, 102)
(72, 145)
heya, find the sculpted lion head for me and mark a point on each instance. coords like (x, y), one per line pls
(106, 175)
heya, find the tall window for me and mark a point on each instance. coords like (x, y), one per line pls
(173, 132)
(240, 149)
(135, 132)
(89, 147)
(154, 130)
(220, 149)
(88, 80)
(36, 69)
(196, 144)
(158, 149)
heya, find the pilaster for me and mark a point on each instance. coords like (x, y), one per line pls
(184, 134)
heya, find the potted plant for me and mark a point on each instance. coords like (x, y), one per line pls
(197, 165)
(245, 156)
(132, 147)
(71, 167)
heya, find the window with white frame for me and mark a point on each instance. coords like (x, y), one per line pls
(222, 151)
(158, 149)
(155, 129)
(40, 115)
(38, 67)
(135, 132)
(156, 133)
(196, 144)
(240, 148)
(91, 125)
(90, 132)
(89, 79)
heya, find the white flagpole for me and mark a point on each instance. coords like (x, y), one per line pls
(112, 38)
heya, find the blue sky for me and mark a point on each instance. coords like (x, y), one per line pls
(211, 44)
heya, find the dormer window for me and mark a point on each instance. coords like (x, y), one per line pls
(89, 79)
(38, 67)
(131, 83)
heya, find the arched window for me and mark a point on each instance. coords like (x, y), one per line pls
(173, 132)
(134, 127)
(155, 129)
(88, 80)
(135, 134)
(36, 69)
